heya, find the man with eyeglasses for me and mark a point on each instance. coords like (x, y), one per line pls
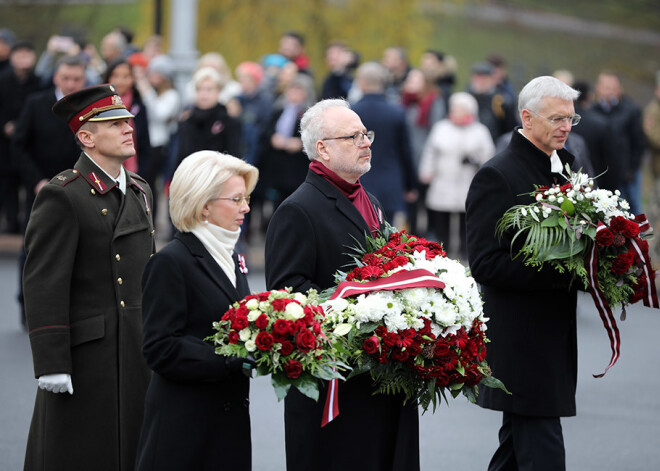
(306, 243)
(532, 312)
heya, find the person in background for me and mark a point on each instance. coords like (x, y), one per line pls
(281, 158)
(501, 77)
(456, 148)
(229, 88)
(339, 80)
(496, 110)
(306, 244)
(113, 48)
(441, 68)
(16, 84)
(254, 107)
(7, 40)
(292, 46)
(532, 312)
(392, 178)
(120, 74)
(163, 106)
(59, 46)
(197, 412)
(207, 126)
(395, 60)
(651, 124)
(88, 240)
(425, 106)
(625, 120)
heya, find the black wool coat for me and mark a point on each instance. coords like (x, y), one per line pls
(196, 410)
(532, 325)
(306, 242)
(86, 247)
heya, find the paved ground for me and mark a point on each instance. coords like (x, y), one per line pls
(616, 429)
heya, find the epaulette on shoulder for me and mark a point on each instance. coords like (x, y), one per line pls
(135, 176)
(65, 177)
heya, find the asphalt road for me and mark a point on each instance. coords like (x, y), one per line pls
(617, 427)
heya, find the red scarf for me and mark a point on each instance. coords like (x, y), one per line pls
(353, 191)
(424, 103)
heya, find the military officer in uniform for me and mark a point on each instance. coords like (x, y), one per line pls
(88, 239)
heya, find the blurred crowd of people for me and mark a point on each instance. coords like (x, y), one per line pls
(430, 137)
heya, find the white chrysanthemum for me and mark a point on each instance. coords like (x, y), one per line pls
(539, 197)
(375, 306)
(415, 297)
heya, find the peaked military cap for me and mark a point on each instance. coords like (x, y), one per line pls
(98, 103)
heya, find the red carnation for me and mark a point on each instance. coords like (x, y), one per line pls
(264, 341)
(371, 344)
(282, 327)
(305, 341)
(604, 238)
(619, 240)
(293, 369)
(389, 340)
(400, 355)
(287, 348)
(622, 263)
(261, 322)
(381, 330)
(233, 337)
(370, 272)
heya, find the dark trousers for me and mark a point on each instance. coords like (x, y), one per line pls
(529, 444)
(440, 224)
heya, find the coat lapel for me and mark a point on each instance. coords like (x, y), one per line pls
(342, 203)
(209, 265)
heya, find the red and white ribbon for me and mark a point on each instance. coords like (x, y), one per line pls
(418, 278)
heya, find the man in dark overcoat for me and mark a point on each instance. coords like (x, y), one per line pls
(306, 243)
(532, 324)
(88, 239)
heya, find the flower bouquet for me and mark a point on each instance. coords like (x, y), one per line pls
(285, 334)
(589, 233)
(412, 318)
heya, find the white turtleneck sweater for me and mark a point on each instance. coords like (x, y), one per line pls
(220, 243)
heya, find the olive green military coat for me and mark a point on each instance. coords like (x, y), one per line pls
(87, 245)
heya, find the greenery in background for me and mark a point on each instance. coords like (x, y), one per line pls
(248, 29)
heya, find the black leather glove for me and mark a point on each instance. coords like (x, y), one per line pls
(237, 363)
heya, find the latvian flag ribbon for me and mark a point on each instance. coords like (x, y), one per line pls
(403, 279)
(604, 310)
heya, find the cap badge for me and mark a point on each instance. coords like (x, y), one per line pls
(116, 100)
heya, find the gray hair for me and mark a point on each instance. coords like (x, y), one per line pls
(371, 76)
(208, 73)
(543, 87)
(312, 124)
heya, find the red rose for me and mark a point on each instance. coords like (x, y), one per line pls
(305, 341)
(282, 327)
(293, 369)
(264, 341)
(261, 322)
(316, 328)
(240, 322)
(228, 315)
(287, 348)
(233, 337)
(279, 338)
(280, 304)
(618, 224)
(632, 229)
(604, 238)
(622, 263)
(441, 348)
(371, 344)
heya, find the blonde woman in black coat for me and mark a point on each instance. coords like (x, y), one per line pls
(197, 407)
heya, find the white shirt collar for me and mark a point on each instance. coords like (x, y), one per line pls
(555, 161)
(121, 180)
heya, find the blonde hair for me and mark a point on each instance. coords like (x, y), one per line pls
(198, 179)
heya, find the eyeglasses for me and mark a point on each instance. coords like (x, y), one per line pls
(237, 200)
(556, 122)
(358, 137)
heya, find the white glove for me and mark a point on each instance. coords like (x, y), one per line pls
(57, 383)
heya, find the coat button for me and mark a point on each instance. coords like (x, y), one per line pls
(120, 281)
(122, 304)
(75, 171)
(117, 257)
(153, 232)
(92, 191)
(104, 212)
